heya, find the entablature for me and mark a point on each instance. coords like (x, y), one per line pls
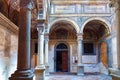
(81, 8)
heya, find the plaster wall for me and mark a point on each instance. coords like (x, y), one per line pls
(8, 47)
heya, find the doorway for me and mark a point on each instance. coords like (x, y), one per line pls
(62, 58)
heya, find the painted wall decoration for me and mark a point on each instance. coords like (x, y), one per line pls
(103, 54)
(65, 9)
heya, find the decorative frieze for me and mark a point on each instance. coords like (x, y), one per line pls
(65, 9)
(80, 8)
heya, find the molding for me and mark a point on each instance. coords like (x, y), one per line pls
(79, 1)
(63, 40)
(8, 24)
(114, 72)
(81, 15)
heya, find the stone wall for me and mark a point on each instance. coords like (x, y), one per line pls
(8, 47)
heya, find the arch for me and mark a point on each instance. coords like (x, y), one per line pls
(72, 22)
(61, 46)
(63, 42)
(103, 21)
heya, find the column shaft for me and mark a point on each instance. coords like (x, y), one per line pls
(40, 68)
(118, 30)
(24, 40)
(40, 48)
(80, 50)
(46, 54)
(46, 49)
(23, 71)
(80, 70)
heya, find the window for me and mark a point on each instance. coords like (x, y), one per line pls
(88, 49)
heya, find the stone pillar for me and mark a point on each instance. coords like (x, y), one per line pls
(40, 68)
(117, 12)
(24, 71)
(116, 73)
(80, 50)
(40, 47)
(46, 53)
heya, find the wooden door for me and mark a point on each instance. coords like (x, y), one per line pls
(64, 61)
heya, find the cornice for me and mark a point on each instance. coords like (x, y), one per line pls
(79, 1)
(77, 15)
(8, 24)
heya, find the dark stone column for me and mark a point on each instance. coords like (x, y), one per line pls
(24, 71)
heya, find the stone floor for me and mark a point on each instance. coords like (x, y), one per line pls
(75, 77)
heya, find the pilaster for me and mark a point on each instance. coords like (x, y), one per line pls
(80, 48)
(46, 53)
(116, 73)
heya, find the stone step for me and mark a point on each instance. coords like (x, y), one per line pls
(75, 77)
(91, 68)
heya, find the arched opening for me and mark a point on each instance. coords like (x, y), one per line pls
(62, 58)
(63, 30)
(62, 37)
(94, 33)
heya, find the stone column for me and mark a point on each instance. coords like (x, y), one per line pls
(24, 71)
(116, 73)
(80, 50)
(117, 12)
(46, 53)
(40, 68)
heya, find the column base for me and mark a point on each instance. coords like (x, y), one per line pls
(40, 73)
(80, 70)
(115, 74)
(22, 75)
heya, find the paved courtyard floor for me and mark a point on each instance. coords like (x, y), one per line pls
(75, 77)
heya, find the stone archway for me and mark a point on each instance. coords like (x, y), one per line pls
(66, 20)
(101, 20)
(95, 32)
(62, 32)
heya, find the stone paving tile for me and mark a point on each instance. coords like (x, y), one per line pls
(75, 77)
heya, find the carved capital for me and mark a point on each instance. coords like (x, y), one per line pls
(26, 4)
(46, 36)
(40, 28)
(115, 3)
(80, 36)
(112, 3)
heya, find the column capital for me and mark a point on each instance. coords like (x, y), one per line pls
(40, 30)
(80, 36)
(28, 4)
(115, 3)
(46, 36)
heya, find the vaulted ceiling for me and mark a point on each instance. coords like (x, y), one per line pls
(95, 29)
